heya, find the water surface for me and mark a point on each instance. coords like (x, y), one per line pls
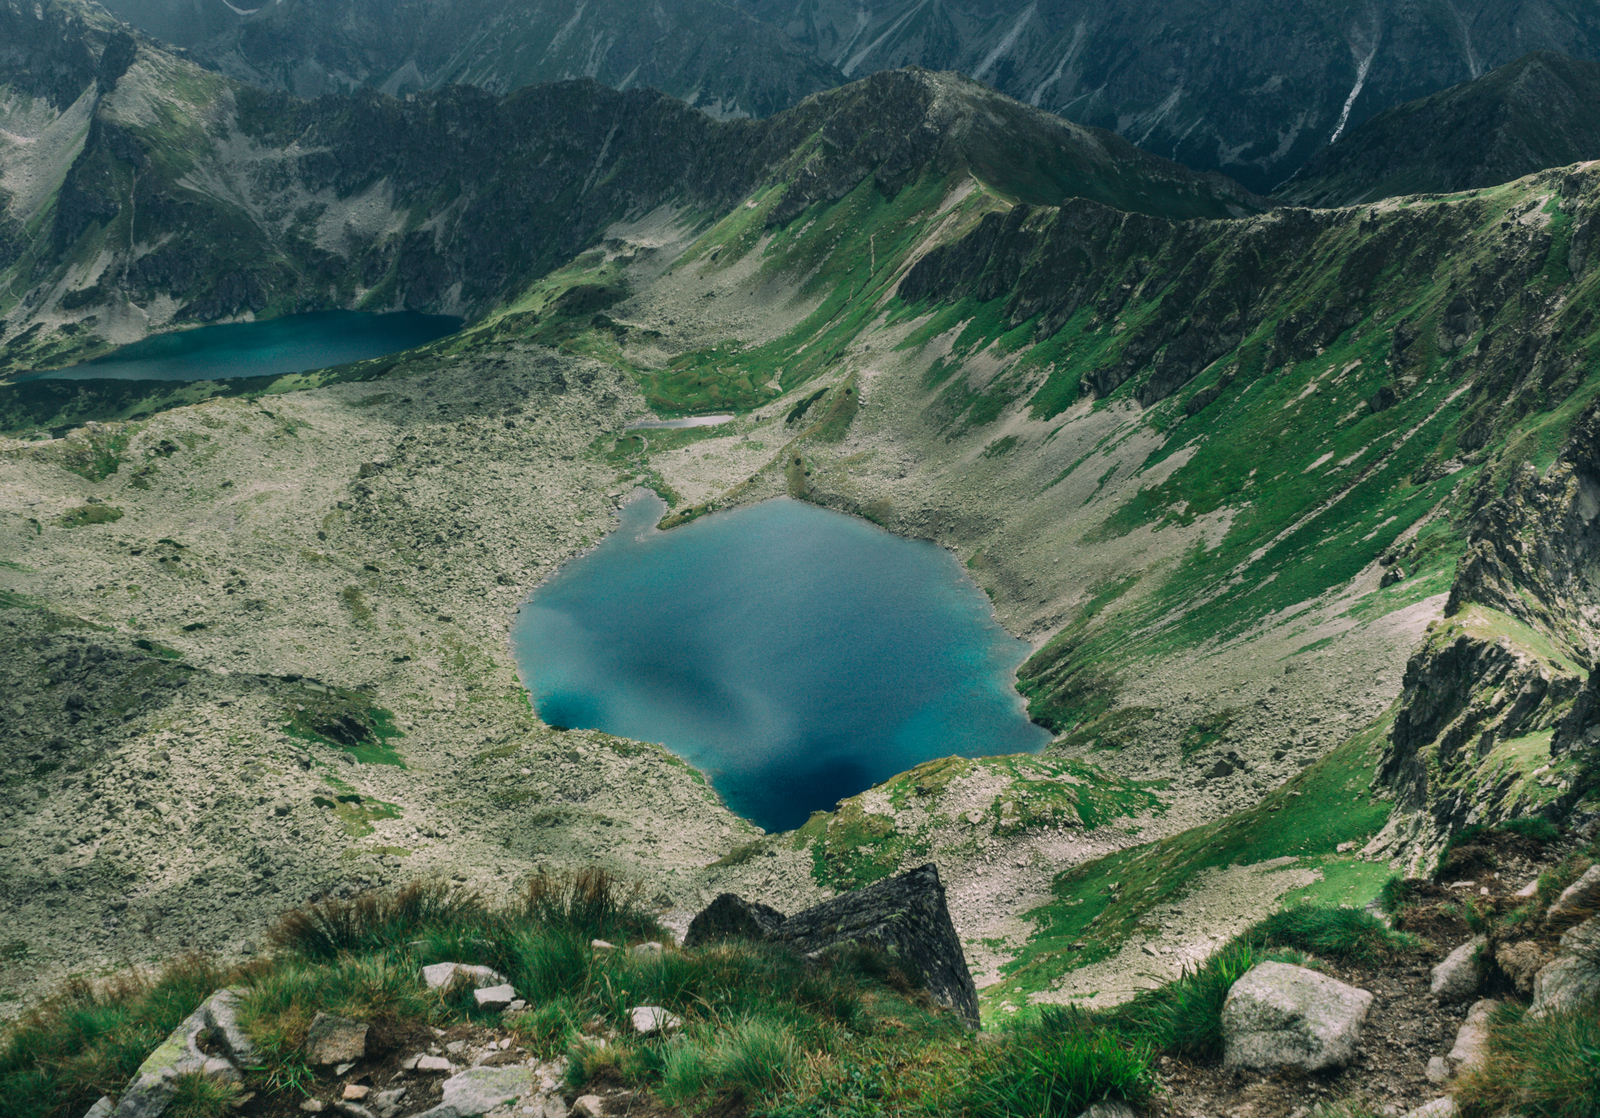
(793, 654)
(292, 344)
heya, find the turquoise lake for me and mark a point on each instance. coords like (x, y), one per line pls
(794, 655)
(295, 343)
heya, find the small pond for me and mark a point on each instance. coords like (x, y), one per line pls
(793, 654)
(292, 344)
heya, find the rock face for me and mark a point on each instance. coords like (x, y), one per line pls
(1286, 1016)
(906, 917)
(1574, 978)
(732, 917)
(1458, 978)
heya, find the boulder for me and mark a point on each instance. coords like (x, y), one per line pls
(101, 1109)
(589, 1106)
(443, 974)
(222, 1024)
(733, 917)
(1460, 976)
(1472, 1041)
(649, 1019)
(481, 1090)
(1521, 963)
(1577, 901)
(1279, 1015)
(905, 917)
(154, 1085)
(1438, 1070)
(335, 1040)
(1573, 979)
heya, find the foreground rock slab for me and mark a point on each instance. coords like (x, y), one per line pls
(905, 917)
(1280, 1015)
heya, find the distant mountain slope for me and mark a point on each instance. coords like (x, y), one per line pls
(1543, 110)
(701, 51)
(163, 192)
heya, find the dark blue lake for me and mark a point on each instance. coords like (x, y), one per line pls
(295, 343)
(794, 655)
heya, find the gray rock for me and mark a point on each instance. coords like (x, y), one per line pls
(1280, 1015)
(1579, 900)
(494, 997)
(1472, 1041)
(905, 917)
(1110, 1109)
(353, 1109)
(1438, 1070)
(589, 1106)
(443, 974)
(732, 917)
(481, 1090)
(1438, 1108)
(1574, 978)
(222, 1022)
(649, 1019)
(335, 1040)
(153, 1086)
(651, 948)
(1460, 976)
(387, 1103)
(556, 1107)
(434, 1063)
(101, 1109)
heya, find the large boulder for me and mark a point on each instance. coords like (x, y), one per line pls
(732, 917)
(1573, 980)
(1460, 976)
(1577, 901)
(905, 917)
(155, 1084)
(1280, 1015)
(1471, 1049)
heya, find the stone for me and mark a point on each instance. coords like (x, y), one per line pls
(313, 1106)
(494, 997)
(387, 1103)
(651, 948)
(1577, 901)
(517, 1005)
(1438, 1070)
(1527, 890)
(152, 1087)
(101, 1109)
(556, 1107)
(1574, 978)
(602, 945)
(1279, 1015)
(443, 974)
(1472, 1041)
(353, 1109)
(1110, 1109)
(648, 1019)
(356, 1091)
(732, 917)
(589, 1106)
(480, 1090)
(335, 1040)
(906, 918)
(1460, 976)
(1521, 963)
(434, 1063)
(1438, 1108)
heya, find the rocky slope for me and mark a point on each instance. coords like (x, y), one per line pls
(1534, 113)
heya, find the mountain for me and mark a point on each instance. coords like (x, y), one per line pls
(1543, 110)
(710, 55)
(194, 198)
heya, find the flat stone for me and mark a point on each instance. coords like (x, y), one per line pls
(1460, 976)
(1471, 1049)
(443, 974)
(1438, 1108)
(356, 1091)
(1527, 890)
(387, 1103)
(494, 997)
(648, 1019)
(434, 1063)
(1574, 978)
(1438, 1070)
(335, 1040)
(313, 1106)
(1577, 900)
(481, 1090)
(1280, 1015)
(589, 1106)
(602, 945)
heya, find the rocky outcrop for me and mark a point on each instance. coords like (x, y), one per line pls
(1573, 979)
(188, 1050)
(1459, 977)
(1280, 1016)
(905, 917)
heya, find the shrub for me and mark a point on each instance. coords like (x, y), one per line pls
(200, 1096)
(591, 903)
(754, 1056)
(1542, 1067)
(1337, 933)
(374, 921)
(1062, 1077)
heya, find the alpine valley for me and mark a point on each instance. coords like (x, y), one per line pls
(1295, 498)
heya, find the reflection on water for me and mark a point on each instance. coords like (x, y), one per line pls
(794, 654)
